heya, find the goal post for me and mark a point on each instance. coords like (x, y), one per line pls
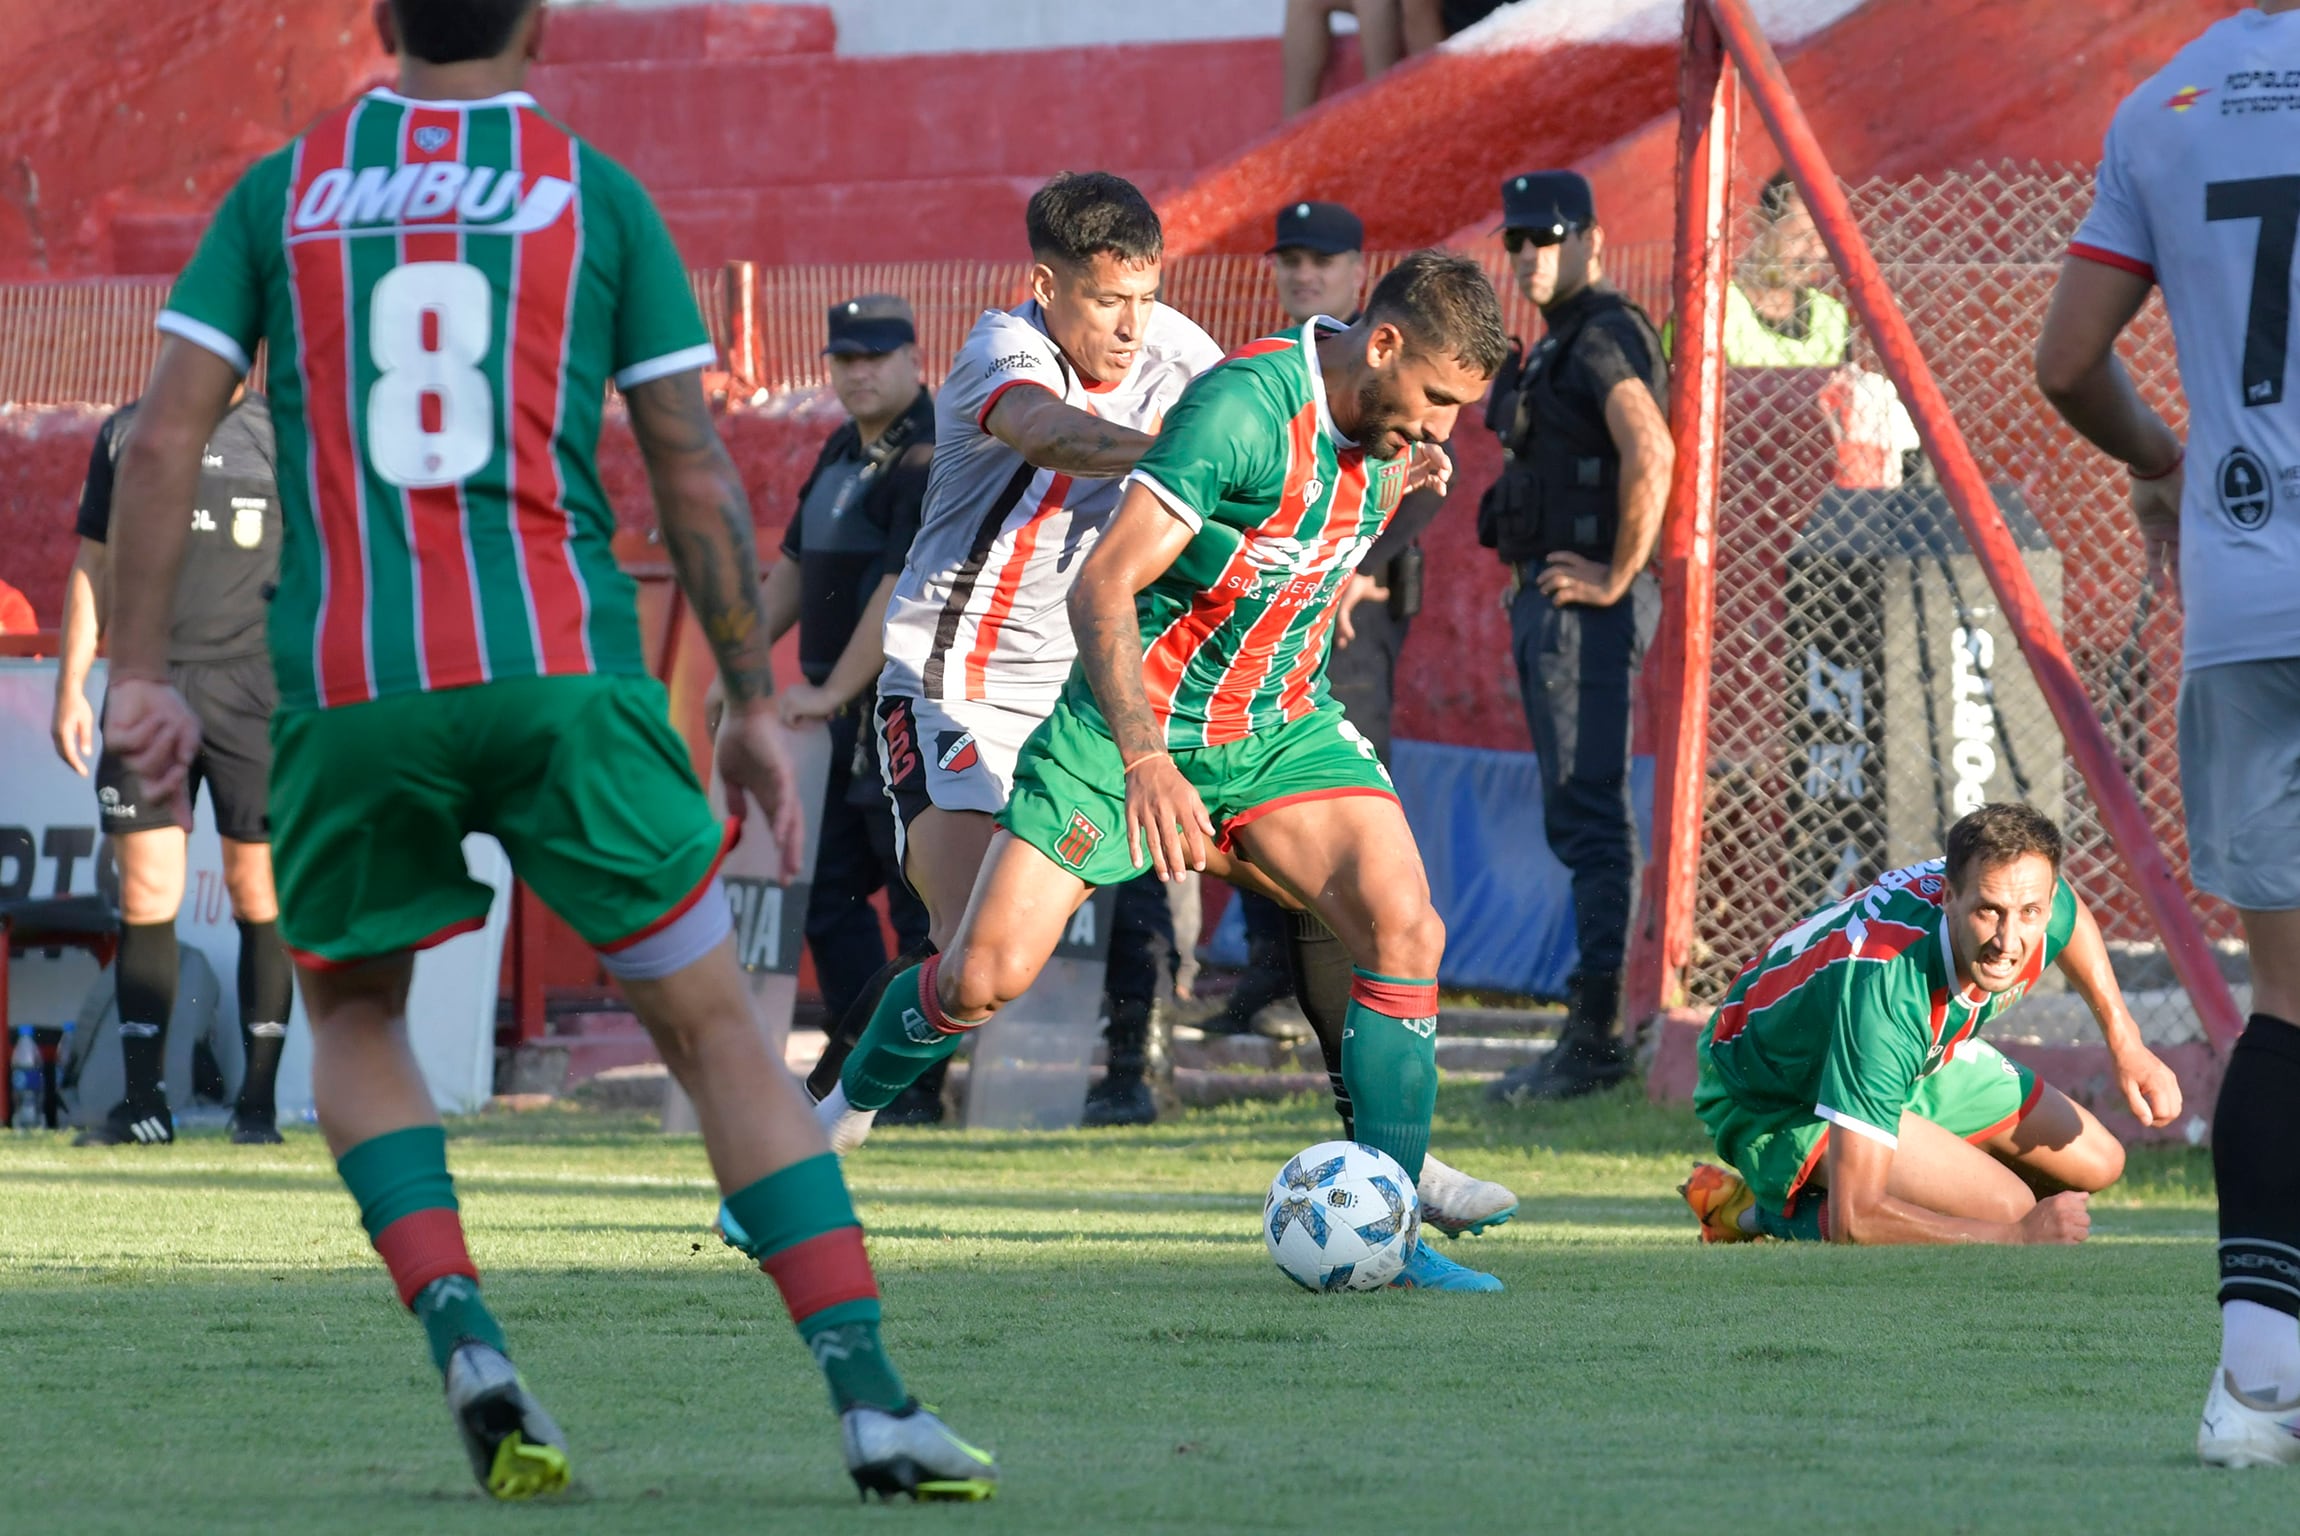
(1893, 656)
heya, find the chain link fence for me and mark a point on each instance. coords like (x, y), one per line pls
(1866, 689)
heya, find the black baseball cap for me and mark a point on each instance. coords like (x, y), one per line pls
(1551, 204)
(871, 324)
(1328, 228)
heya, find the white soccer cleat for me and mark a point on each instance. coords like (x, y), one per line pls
(846, 1126)
(2239, 1431)
(912, 1452)
(1458, 1205)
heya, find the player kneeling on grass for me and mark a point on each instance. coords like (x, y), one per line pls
(1196, 731)
(1844, 1076)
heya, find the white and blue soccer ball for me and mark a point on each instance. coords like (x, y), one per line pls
(1341, 1217)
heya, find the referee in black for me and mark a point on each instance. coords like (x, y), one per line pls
(219, 661)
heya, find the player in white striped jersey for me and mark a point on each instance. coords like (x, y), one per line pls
(2200, 195)
(1045, 407)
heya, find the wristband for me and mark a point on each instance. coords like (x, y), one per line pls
(114, 673)
(2178, 459)
(1144, 758)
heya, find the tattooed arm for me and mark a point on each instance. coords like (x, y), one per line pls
(706, 521)
(1062, 437)
(1162, 810)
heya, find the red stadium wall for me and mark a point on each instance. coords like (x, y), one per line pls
(122, 116)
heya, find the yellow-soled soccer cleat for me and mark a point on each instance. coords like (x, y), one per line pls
(517, 1452)
(913, 1452)
(1718, 1197)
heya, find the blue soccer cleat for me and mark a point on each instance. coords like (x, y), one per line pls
(1430, 1270)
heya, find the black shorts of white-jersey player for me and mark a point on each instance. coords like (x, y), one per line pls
(217, 660)
(2199, 189)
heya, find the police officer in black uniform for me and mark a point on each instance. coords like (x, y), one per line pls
(841, 556)
(1574, 517)
(219, 660)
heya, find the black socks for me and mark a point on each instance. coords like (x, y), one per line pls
(267, 995)
(2256, 1163)
(1320, 966)
(146, 970)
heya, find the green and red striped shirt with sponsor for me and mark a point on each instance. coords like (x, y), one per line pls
(446, 289)
(1842, 1015)
(1281, 509)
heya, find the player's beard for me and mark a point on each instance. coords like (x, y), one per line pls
(1379, 425)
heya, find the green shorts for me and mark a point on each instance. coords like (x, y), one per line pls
(581, 779)
(1069, 799)
(1978, 1092)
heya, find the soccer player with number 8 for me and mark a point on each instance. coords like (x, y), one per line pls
(447, 280)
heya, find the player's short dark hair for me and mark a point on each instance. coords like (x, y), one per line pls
(1774, 197)
(1998, 834)
(1444, 303)
(453, 31)
(1080, 215)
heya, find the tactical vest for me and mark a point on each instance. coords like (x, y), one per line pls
(1560, 485)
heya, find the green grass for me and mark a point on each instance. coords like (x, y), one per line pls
(198, 1338)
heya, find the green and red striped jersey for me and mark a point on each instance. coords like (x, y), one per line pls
(446, 289)
(1281, 509)
(1843, 1014)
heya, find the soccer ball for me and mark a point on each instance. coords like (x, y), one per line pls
(1341, 1217)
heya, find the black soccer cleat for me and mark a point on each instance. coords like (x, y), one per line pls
(256, 1128)
(129, 1123)
(913, 1453)
(516, 1451)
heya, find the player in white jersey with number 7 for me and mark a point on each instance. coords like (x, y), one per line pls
(2200, 195)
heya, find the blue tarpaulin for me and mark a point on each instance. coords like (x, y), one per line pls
(1506, 901)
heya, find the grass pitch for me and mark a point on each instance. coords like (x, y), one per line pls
(198, 1338)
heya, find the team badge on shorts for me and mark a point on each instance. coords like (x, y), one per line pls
(247, 521)
(1077, 845)
(954, 751)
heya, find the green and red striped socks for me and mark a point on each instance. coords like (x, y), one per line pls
(1389, 1064)
(799, 1223)
(407, 1203)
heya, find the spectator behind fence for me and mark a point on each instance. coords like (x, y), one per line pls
(841, 553)
(1574, 517)
(1388, 30)
(1776, 314)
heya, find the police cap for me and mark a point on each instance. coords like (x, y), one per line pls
(871, 324)
(1548, 205)
(1327, 228)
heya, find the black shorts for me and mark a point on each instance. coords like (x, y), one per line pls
(234, 701)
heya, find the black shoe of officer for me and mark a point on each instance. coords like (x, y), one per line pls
(1120, 1099)
(916, 1105)
(1583, 1066)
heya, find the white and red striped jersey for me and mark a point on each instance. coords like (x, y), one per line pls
(980, 611)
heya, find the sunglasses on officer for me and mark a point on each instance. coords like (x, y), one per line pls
(1515, 240)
